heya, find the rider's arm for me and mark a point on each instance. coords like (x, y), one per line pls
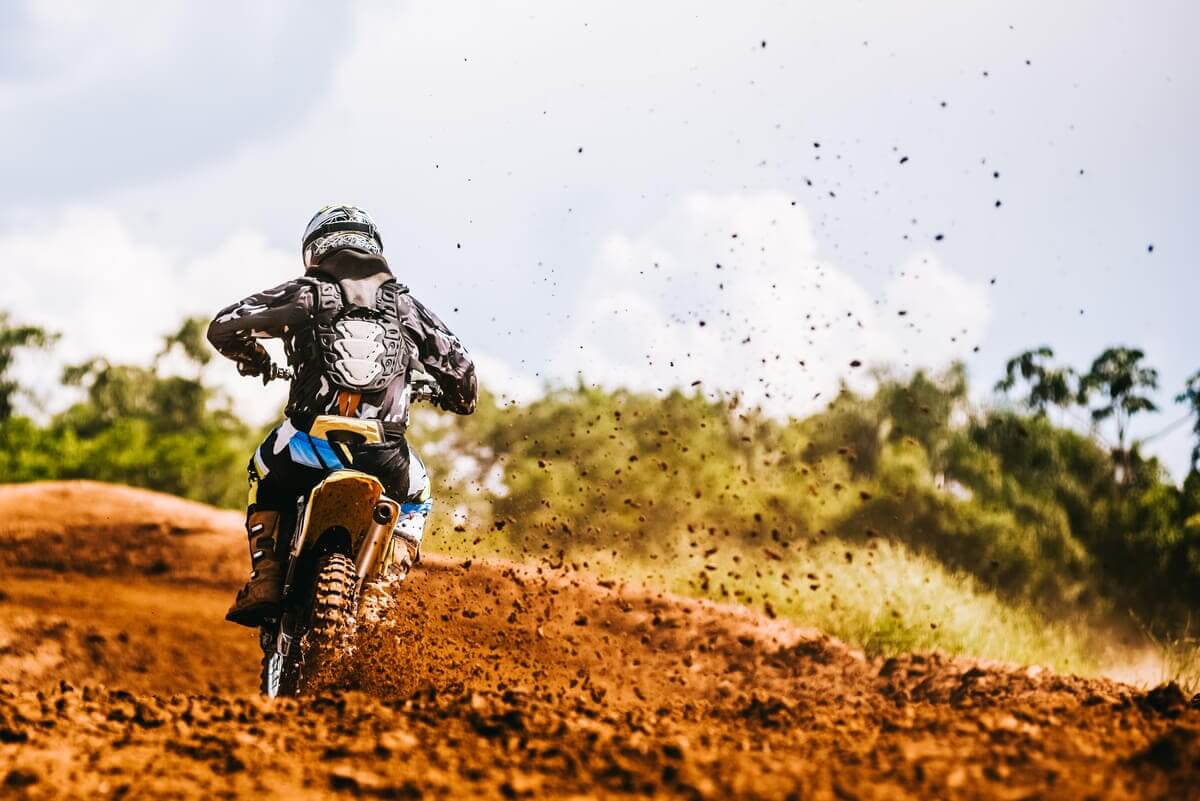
(442, 356)
(270, 313)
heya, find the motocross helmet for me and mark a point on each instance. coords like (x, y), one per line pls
(339, 227)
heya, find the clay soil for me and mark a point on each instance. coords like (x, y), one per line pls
(119, 679)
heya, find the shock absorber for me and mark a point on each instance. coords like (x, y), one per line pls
(383, 518)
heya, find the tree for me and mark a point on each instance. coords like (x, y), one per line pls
(166, 402)
(1191, 396)
(139, 425)
(1120, 379)
(191, 340)
(923, 408)
(12, 338)
(1048, 385)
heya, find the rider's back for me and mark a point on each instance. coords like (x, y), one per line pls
(351, 333)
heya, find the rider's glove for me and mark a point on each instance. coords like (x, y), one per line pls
(255, 363)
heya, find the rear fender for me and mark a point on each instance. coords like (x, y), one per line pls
(337, 517)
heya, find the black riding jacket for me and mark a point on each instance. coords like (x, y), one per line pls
(308, 313)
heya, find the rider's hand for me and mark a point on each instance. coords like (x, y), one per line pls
(256, 363)
(248, 368)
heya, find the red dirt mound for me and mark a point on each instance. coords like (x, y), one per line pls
(497, 680)
(101, 529)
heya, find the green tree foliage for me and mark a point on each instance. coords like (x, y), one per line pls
(1035, 512)
(1120, 380)
(620, 470)
(1191, 396)
(1031, 512)
(1048, 385)
(14, 337)
(190, 339)
(138, 425)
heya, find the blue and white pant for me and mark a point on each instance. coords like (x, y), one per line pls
(290, 462)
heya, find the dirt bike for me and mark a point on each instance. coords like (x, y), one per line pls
(342, 540)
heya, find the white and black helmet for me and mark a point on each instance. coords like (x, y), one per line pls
(336, 228)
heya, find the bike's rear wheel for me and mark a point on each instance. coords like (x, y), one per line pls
(334, 604)
(334, 595)
(324, 625)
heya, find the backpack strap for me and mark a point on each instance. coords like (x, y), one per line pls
(387, 305)
(327, 295)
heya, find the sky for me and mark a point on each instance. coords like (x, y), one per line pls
(752, 195)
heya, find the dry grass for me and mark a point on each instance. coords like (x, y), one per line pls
(880, 597)
(1178, 657)
(887, 600)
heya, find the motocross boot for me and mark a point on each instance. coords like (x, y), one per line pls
(260, 598)
(408, 553)
(377, 597)
(406, 542)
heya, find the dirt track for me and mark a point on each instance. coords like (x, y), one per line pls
(118, 679)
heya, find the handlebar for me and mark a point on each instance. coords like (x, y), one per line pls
(267, 374)
(424, 388)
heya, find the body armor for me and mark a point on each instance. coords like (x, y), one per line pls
(352, 338)
(363, 350)
(357, 351)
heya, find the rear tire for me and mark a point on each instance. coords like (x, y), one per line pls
(332, 618)
(324, 626)
(334, 594)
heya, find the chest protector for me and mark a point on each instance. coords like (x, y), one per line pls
(359, 350)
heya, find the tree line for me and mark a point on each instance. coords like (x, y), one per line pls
(133, 424)
(1033, 510)
(1116, 387)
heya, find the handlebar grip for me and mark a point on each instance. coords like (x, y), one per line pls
(423, 387)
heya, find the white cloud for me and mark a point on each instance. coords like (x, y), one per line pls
(730, 290)
(88, 275)
(70, 41)
(113, 94)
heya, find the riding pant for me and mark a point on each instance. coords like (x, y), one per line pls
(289, 463)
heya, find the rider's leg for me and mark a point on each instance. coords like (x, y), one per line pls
(405, 480)
(414, 513)
(275, 483)
(260, 598)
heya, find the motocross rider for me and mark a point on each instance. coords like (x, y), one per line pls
(354, 337)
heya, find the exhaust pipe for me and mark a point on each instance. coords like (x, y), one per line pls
(383, 520)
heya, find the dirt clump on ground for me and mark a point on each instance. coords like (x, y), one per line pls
(496, 680)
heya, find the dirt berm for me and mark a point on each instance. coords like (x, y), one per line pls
(119, 679)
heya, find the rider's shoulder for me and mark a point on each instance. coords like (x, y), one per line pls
(286, 291)
(305, 287)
